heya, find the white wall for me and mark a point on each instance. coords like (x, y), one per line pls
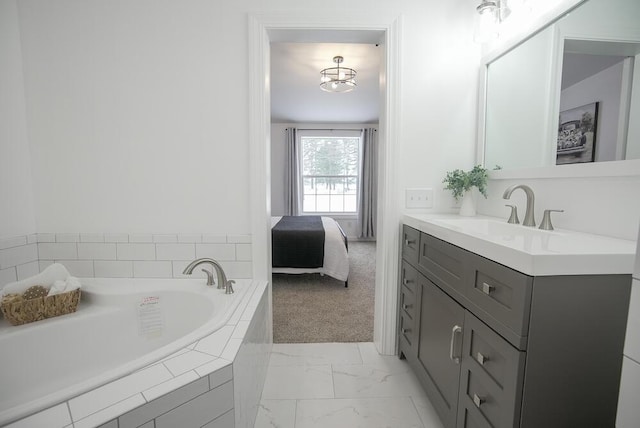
(16, 196)
(137, 115)
(603, 87)
(138, 111)
(601, 205)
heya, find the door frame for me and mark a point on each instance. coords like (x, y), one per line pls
(261, 29)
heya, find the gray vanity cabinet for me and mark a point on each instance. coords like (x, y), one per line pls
(495, 348)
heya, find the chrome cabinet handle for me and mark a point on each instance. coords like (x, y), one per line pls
(487, 288)
(405, 306)
(481, 358)
(454, 333)
(477, 400)
(405, 330)
(408, 242)
(406, 281)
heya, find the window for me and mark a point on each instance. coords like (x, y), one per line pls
(330, 169)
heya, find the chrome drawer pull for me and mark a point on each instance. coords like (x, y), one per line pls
(406, 281)
(405, 306)
(406, 330)
(487, 288)
(454, 332)
(408, 242)
(477, 400)
(481, 358)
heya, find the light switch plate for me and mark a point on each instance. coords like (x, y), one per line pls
(419, 198)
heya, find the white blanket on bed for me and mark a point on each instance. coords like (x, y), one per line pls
(336, 259)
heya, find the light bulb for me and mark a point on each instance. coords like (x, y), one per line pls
(334, 85)
(341, 76)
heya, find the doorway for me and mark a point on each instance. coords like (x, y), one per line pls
(264, 30)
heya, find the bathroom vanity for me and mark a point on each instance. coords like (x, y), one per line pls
(509, 326)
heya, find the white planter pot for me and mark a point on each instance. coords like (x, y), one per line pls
(468, 205)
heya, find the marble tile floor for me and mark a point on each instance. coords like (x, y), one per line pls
(341, 385)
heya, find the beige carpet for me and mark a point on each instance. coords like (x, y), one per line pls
(312, 308)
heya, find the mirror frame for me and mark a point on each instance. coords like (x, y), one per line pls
(629, 167)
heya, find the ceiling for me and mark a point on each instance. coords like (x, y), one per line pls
(295, 83)
(577, 66)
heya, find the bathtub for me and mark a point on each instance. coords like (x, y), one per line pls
(121, 326)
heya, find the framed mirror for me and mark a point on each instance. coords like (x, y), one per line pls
(566, 100)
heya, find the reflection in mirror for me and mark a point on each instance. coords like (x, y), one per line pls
(570, 93)
(594, 101)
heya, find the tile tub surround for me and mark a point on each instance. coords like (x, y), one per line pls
(342, 385)
(121, 255)
(18, 258)
(206, 384)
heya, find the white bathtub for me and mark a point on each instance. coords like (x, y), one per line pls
(121, 326)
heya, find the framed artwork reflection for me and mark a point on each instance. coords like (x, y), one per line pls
(577, 134)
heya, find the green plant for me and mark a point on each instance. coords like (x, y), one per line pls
(459, 181)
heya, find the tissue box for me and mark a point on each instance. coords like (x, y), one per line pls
(19, 311)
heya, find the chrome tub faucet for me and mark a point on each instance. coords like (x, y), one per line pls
(221, 277)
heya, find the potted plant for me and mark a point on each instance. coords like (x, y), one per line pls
(461, 182)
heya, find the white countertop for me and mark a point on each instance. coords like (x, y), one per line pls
(530, 250)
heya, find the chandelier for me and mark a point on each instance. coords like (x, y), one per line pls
(338, 79)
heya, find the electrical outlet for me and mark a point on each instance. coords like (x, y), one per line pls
(419, 198)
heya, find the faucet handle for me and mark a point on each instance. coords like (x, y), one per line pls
(546, 219)
(229, 287)
(209, 277)
(513, 218)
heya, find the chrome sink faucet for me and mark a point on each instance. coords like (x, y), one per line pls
(221, 277)
(529, 216)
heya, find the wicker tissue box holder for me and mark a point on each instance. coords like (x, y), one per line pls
(19, 311)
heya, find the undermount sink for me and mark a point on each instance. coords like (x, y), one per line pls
(529, 249)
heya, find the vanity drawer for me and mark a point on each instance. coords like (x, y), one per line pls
(443, 263)
(409, 276)
(471, 418)
(410, 244)
(408, 302)
(503, 293)
(481, 398)
(407, 329)
(486, 351)
(492, 376)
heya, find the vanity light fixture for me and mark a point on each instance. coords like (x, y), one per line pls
(486, 22)
(490, 14)
(338, 79)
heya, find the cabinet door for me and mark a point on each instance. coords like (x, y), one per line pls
(440, 349)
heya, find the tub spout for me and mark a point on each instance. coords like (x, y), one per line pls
(221, 277)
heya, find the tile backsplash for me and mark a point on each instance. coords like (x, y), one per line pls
(122, 255)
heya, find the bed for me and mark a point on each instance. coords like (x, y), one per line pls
(309, 244)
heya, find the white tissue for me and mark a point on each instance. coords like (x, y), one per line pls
(46, 278)
(59, 286)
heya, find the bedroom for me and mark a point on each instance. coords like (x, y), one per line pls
(323, 132)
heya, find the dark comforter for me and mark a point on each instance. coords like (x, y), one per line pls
(298, 242)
